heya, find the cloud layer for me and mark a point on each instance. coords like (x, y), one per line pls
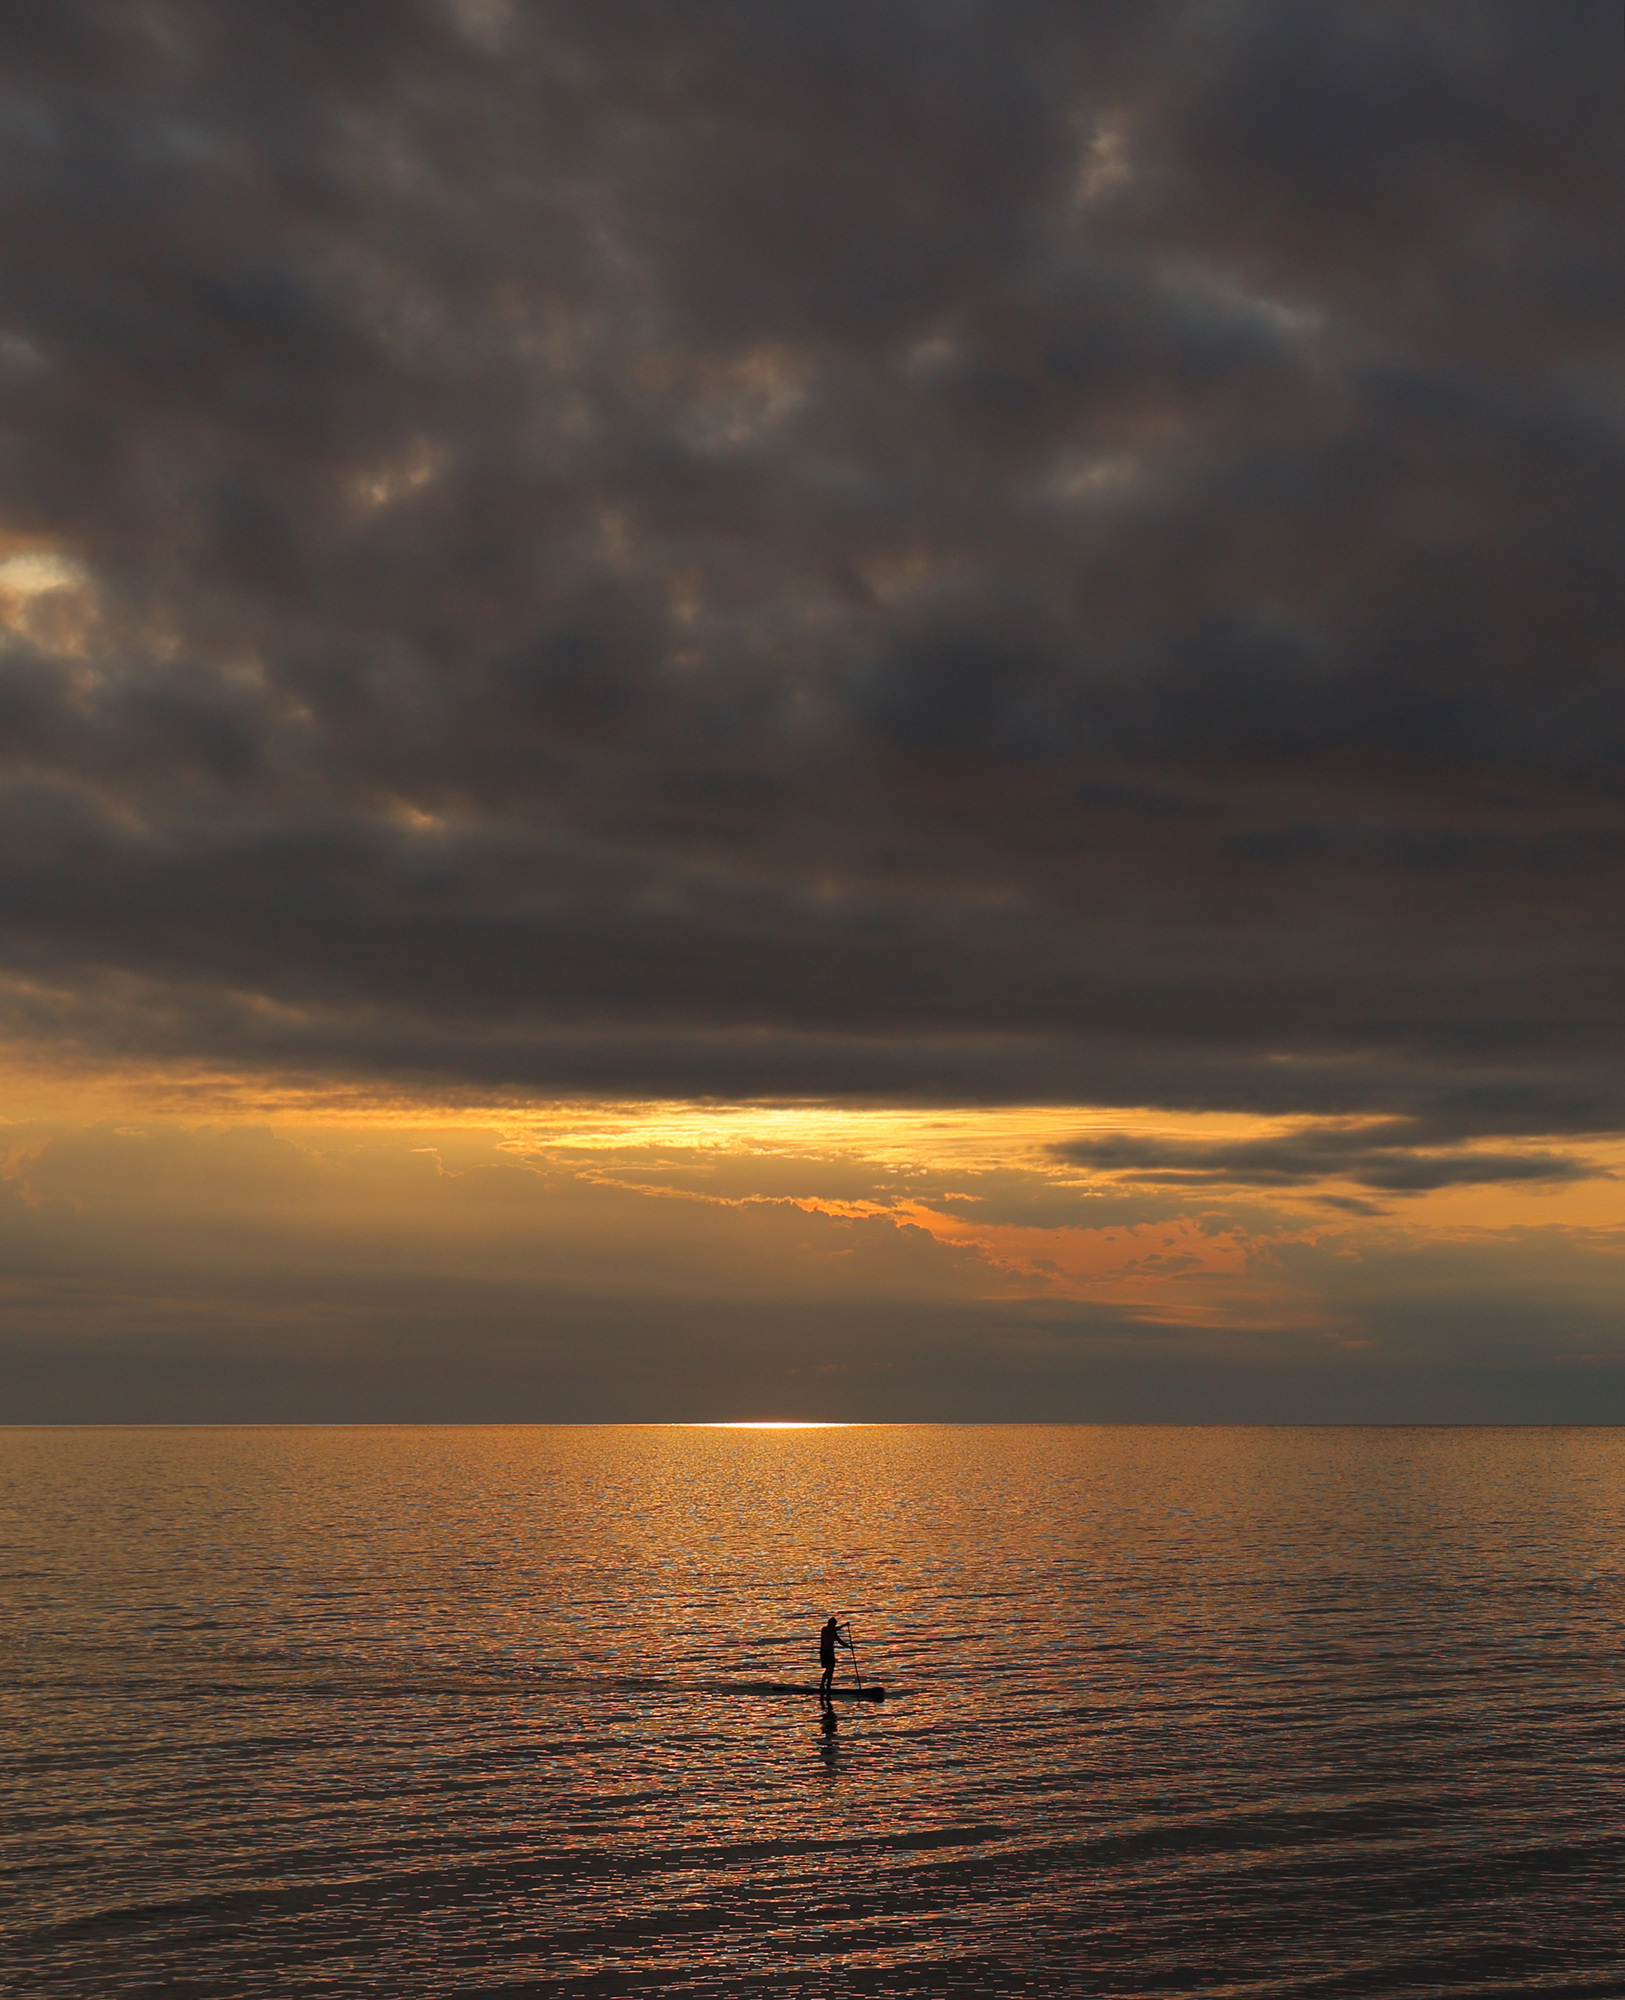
(965, 552)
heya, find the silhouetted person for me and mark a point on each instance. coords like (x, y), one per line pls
(828, 1639)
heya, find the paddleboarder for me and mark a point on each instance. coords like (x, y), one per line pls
(828, 1639)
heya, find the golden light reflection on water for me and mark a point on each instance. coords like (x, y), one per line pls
(1293, 1680)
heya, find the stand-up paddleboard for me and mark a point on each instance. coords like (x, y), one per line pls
(793, 1687)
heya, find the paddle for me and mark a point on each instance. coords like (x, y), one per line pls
(852, 1648)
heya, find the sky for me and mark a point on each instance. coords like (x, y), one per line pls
(835, 710)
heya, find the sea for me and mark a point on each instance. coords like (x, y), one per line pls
(529, 1711)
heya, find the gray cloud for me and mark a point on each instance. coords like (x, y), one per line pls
(1384, 1157)
(980, 552)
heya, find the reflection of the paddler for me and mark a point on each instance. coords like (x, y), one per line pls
(829, 1743)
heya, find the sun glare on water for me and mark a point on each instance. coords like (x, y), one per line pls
(778, 1424)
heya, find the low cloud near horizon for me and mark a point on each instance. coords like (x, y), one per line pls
(945, 561)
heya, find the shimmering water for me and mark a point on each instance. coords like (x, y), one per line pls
(479, 1712)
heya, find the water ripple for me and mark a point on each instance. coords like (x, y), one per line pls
(508, 1712)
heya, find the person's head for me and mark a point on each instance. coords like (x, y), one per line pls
(832, 1623)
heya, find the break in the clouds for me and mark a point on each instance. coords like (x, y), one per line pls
(905, 1271)
(938, 551)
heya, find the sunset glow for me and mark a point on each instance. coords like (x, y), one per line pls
(868, 720)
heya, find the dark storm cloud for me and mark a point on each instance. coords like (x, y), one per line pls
(945, 550)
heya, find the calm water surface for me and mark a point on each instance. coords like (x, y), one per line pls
(486, 1712)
